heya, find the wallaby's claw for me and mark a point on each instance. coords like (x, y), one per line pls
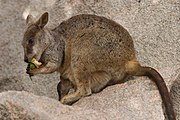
(32, 72)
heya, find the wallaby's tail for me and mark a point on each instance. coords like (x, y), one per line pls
(157, 78)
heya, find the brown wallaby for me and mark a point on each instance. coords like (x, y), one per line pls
(90, 52)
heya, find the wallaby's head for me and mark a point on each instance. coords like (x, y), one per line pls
(35, 40)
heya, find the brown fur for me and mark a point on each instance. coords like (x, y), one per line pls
(90, 52)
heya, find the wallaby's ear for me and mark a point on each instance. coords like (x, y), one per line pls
(42, 20)
(29, 19)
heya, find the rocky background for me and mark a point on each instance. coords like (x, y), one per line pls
(155, 28)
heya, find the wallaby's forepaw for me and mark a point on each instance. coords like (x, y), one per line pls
(32, 72)
(43, 69)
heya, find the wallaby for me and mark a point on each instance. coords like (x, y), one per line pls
(90, 51)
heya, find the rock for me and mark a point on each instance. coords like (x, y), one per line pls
(10, 111)
(133, 100)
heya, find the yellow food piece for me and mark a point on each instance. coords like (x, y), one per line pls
(36, 63)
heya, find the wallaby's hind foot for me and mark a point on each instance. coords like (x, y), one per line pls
(73, 97)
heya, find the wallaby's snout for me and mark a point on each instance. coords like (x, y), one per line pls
(29, 50)
(28, 57)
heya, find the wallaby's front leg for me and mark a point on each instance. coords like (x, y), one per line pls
(43, 69)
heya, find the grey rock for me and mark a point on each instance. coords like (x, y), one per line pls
(125, 101)
(10, 111)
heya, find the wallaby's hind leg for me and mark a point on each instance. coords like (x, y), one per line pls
(63, 87)
(83, 88)
(92, 83)
(99, 80)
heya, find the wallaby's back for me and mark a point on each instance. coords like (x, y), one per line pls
(99, 43)
(74, 26)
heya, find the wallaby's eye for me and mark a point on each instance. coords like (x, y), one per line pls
(31, 41)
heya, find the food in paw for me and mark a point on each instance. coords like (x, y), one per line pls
(33, 64)
(36, 63)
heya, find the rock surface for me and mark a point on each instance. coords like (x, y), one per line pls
(117, 102)
(155, 28)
